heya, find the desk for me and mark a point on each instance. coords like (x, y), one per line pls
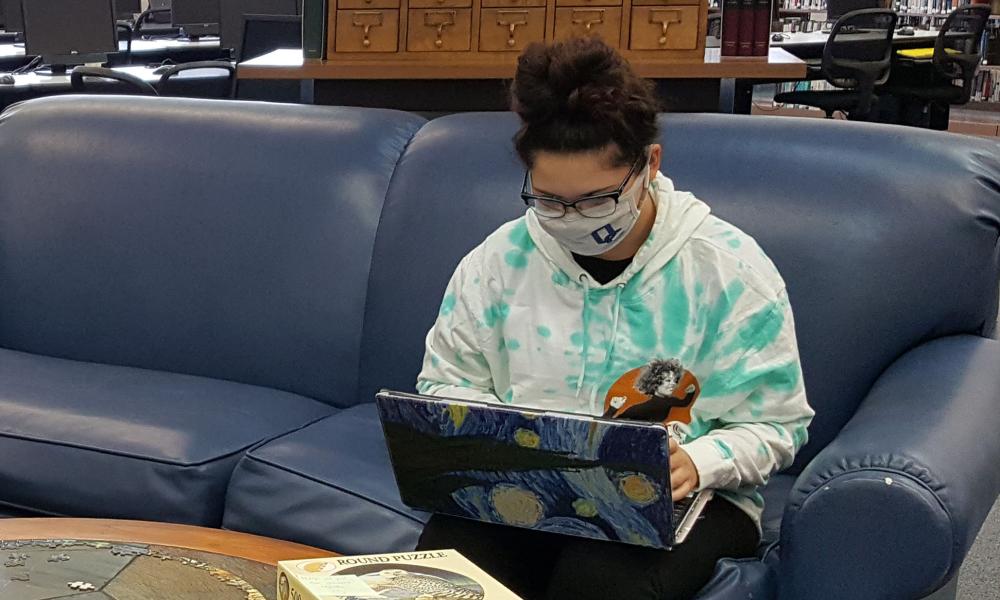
(712, 84)
(33, 85)
(145, 51)
(810, 45)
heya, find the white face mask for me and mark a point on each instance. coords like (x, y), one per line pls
(588, 236)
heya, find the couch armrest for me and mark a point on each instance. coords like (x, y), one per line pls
(890, 508)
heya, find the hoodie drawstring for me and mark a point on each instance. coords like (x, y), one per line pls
(611, 346)
(586, 337)
(616, 320)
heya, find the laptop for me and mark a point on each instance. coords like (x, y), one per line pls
(590, 477)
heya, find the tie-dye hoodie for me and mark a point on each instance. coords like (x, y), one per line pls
(699, 320)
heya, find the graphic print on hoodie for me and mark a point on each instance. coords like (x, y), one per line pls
(699, 324)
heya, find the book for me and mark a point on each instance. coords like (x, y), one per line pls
(434, 575)
(314, 28)
(761, 27)
(730, 27)
(746, 28)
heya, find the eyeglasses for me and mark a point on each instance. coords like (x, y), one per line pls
(595, 207)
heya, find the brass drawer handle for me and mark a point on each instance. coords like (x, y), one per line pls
(673, 16)
(588, 22)
(366, 19)
(439, 19)
(506, 19)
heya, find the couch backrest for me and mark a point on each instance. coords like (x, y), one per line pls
(886, 236)
(211, 238)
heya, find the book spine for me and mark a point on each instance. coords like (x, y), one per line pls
(746, 28)
(314, 28)
(731, 27)
(761, 27)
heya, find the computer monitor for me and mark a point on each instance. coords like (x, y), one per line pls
(234, 11)
(838, 8)
(127, 9)
(196, 17)
(13, 17)
(267, 33)
(69, 32)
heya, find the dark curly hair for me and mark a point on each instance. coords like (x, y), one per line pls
(580, 95)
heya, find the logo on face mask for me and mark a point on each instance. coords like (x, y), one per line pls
(606, 234)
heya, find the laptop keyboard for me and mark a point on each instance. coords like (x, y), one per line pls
(680, 509)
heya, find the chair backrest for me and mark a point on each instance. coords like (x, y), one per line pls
(225, 239)
(858, 53)
(886, 236)
(266, 33)
(958, 49)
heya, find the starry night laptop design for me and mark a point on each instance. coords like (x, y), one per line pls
(550, 471)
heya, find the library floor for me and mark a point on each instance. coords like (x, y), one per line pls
(980, 579)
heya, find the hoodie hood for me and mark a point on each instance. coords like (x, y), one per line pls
(678, 216)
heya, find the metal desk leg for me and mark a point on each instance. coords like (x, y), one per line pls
(735, 96)
(307, 91)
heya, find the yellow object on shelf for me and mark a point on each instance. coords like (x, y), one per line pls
(922, 52)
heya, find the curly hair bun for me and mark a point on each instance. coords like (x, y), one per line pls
(581, 94)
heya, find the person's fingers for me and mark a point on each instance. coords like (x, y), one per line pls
(674, 446)
(686, 488)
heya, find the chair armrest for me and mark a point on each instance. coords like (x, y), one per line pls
(890, 508)
(76, 79)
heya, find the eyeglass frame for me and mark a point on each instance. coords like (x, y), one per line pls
(615, 195)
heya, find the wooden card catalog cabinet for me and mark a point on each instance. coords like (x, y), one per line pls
(466, 34)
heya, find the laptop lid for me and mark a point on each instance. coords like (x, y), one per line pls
(549, 471)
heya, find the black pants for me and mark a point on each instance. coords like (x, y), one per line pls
(537, 565)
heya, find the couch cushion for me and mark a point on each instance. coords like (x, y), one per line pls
(223, 239)
(85, 439)
(328, 485)
(775, 498)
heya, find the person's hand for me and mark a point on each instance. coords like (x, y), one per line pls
(683, 474)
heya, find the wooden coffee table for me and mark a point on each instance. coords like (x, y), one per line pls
(137, 560)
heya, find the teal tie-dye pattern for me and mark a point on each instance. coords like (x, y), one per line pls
(496, 314)
(716, 315)
(447, 305)
(561, 279)
(676, 311)
(739, 379)
(800, 435)
(513, 345)
(544, 331)
(509, 397)
(724, 449)
(760, 330)
(517, 258)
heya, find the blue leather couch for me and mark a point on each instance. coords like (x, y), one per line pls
(199, 299)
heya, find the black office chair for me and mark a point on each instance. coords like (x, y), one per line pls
(957, 55)
(169, 85)
(856, 58)
(132, 84)
(263, 34)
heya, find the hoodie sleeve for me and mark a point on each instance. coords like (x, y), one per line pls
(768, 417)
(454, 365)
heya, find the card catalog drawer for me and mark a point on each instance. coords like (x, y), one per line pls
(510, 29)
(439, 30)
(367, 30)
(511, 3)
(367, 4)
(589, 2)
(674, 28)
(440, 3)
(601, 21)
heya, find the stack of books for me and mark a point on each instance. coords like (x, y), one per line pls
(746, 27)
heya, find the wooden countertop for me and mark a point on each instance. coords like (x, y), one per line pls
(289, 64)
